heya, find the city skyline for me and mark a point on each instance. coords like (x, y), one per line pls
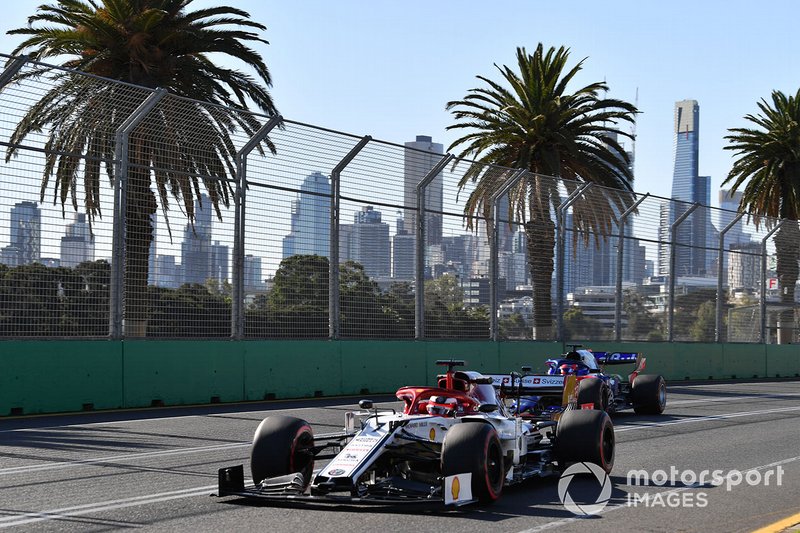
(449, 248)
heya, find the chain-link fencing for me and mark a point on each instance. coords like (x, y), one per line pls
(130, 212)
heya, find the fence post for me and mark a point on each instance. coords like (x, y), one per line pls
(237, 305)
(494, 244)
(561, 232)
(620, 253)
(720, 274)
(11, 70)
(672, 258)
(117, 281)
(333, 266)
(419, 260)
(762, 300)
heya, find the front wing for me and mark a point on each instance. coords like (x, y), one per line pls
(290, 490)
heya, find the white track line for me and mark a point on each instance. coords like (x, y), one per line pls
(109, 505)
(114, 458)
(649, 425)
(744, 397)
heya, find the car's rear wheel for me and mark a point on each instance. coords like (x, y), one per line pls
(593, 391)
(474, 447)
(649, 394)
(282, 445)
(585, 436)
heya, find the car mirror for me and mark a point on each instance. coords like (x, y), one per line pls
(365, 404)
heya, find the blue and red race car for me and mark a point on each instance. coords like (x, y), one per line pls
(644, 393)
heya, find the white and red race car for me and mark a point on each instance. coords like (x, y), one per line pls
(453, 444)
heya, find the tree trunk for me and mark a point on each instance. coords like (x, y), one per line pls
(787, 250)
(141, 206)
(540, 233)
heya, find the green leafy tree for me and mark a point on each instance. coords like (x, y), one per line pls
(399, 303)
(446, 316)
(190, 311)
(767, 169)
(530, 120)
(298, 301)
(687, 307)
(642, 325)
(151, 43)
(39, 301)
(704, 325)
(362, 315)
(514, 327)
(578, 326)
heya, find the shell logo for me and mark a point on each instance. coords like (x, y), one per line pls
(432, 434)
(455, 488)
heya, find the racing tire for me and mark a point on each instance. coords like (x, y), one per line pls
(593, 391)
(282, 445)
(474, 447)
(649, 394)
(585, 436)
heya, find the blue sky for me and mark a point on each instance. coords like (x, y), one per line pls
(387, 68)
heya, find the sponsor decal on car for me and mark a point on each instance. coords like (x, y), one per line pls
(529, 381)
(458, 489)
(352, 455)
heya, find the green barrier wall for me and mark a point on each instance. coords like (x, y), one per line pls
(57, 376)
(70, 375)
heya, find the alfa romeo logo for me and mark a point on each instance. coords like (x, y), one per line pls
(584, 508)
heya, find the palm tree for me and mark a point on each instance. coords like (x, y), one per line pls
(533, 123)
(154, 44)
(768, 167)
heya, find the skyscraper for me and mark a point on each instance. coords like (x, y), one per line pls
(77, 245)
(253, 281)
(152, 264)
(196, 246)
(219, 262)
(419, 158)
(311, 223)
(688, 187)
(729, 202)
(368, 243)
(403, 253)
(26, 232)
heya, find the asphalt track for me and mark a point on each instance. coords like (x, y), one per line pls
(156, 470)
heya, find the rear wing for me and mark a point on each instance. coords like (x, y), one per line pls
(616, 358)
(623, 358)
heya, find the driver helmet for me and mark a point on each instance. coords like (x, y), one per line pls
(442, 406)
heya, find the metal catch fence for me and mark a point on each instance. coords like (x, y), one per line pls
(130, 212)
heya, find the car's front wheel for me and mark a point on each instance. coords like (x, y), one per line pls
(282, 445)
(474, 447)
